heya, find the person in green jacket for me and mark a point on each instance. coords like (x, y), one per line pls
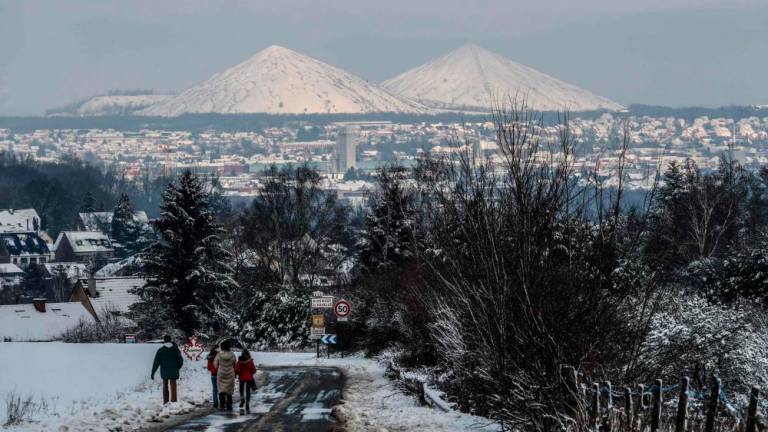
(168, 359)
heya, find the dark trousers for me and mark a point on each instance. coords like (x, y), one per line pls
(225, 401)
(245, 394)
(172, 384)
(215, 391)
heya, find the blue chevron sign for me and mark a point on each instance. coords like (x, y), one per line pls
(328, 339)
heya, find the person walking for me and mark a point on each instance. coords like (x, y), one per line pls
(212, 370)
(225, 375)
(245, 370)
(168, 359)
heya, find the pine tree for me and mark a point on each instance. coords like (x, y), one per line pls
(389, 238)
(186, 268)
(89, 203)
(122, 220)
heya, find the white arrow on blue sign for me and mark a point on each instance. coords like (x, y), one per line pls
(328, 339)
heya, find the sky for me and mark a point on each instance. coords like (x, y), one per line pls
(660, 52)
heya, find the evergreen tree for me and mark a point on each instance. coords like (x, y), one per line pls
(122, 220)
(186, 268)
(89, 203)
(389, 239)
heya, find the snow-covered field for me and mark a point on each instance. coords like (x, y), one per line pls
(92, 386)
(101, 387)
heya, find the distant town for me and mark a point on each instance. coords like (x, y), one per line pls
(346, 153)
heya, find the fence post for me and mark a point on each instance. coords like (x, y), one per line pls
(608, 407)
(571, 388)
(628, 408)
(657, 403)
(682, 406)
(713, 402)
(640, 409)
(752, 410)
(595, 404)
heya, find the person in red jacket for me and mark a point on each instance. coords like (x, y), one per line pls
(245, 369)
(212, 370)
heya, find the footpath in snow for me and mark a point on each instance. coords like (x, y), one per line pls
(106, 387)
(374, 403)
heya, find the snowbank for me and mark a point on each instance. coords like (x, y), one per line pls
(93, 386)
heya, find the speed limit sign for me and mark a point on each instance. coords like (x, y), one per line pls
(342, 309)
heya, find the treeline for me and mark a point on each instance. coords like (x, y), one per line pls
(58, 191)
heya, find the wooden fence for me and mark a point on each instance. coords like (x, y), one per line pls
(644, 409)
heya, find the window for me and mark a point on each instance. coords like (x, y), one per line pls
(23, 260)
(42, 260)
(15, 260)
(79, 242)
(33, 260)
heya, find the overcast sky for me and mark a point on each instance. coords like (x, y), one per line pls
(666, 52)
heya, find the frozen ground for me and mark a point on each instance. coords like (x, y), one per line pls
(106, 387)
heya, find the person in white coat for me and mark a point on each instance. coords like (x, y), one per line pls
(225, 375)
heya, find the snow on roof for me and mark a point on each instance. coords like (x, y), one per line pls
(72, 270)
(120, 268)
(113, 293)
(85, 241)
(97, 221)
(10, 269)
(22, 220)
(24, 244)
(23, 323)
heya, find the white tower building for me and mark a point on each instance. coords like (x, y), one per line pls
(346, 148)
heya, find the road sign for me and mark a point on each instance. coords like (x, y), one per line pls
(342, 308)
(193, 349)
(342, 319)
(318, 321)
(322, 302)
(317, 332)
(329, 339)
(318, 294)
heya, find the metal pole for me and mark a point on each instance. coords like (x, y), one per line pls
(318, 348)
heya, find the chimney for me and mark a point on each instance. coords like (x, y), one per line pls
(39, 304)
(91, 286)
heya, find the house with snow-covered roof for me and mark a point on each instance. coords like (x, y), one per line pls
(40, 321)
(83, 246)
(102, 221)
(10, 275)
(60, 277)
(19, 221)
(107, 295)
(23, 249)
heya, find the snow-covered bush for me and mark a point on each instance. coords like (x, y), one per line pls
(691, 336)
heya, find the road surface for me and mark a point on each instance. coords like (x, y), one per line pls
(287, 399)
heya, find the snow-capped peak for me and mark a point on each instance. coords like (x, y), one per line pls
(471, 77)
(282, 81)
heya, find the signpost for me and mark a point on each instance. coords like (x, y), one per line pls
(318, 321)
(342, 309)
(328, 339)
(193, 349)
(325, 302)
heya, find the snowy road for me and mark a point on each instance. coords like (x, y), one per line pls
(287, 399)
